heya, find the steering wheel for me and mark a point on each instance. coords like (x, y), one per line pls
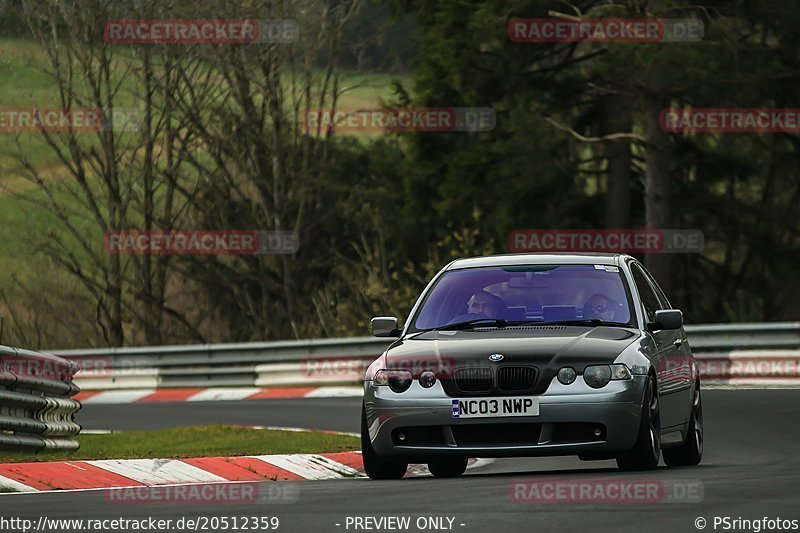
(467, 316)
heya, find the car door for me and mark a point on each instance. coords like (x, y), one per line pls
(668, 359)
(679, 367)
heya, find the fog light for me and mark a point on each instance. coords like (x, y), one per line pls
(598, 432)
(427, 379)
(401, 436)
(567, 375)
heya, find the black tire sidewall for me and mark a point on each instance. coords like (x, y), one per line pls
(374, 466)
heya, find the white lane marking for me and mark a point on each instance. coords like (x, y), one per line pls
(157, 471)
(479, 463)
(118, 396)
(750, 384)
(8, 483)
(310, 466)
(307, 430)
(422, 469)
(215, 395)
(335, 392)
(96, 489)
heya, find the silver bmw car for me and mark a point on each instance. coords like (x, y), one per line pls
(533, 355)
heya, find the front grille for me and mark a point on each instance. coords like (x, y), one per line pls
(419, 436)
(578, 432)
(502, 434)
(496, 434)
(478, 379)
(515, 378)
(491, 380)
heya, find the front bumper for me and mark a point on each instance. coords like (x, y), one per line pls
(570, 416)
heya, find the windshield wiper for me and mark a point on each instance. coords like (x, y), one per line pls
(469, 324)
(593, 322)
(501, 323)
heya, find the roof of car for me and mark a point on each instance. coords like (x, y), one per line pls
(537, 259)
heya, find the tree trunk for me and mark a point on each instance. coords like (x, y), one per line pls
(618, 190)
(657, 184)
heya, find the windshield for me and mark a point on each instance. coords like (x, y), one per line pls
(540, 293)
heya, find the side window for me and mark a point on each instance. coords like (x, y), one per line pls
(664, 303)
(648, 296)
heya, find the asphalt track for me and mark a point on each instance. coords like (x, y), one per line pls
(751, 470)
(337, 414)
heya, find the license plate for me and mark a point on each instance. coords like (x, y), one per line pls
(495, 407)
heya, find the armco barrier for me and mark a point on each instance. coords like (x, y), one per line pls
(36, 411)
(285, 362)
(723, 337)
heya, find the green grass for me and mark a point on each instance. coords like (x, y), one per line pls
(5, 491)
(194, 441)
(24, 85)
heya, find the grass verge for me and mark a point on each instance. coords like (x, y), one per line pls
(194, 441)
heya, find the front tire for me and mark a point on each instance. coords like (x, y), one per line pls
(647, 450)
(690, 453)
(374, 466)
(448, 467)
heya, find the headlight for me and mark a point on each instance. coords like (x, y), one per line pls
(397, 380)
(427, 379)
(598, 376)
(567, 375)
(381, 378)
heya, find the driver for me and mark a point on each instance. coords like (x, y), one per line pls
(485, 303)
(599, 306)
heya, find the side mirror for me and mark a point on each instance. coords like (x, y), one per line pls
(385, 326)
(667, 319)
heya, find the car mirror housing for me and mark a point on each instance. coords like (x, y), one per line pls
(667, 319)
(385, 326)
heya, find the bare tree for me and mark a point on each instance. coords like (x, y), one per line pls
(122, 175)
(258, 164)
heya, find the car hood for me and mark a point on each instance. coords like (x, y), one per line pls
(548, 348)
